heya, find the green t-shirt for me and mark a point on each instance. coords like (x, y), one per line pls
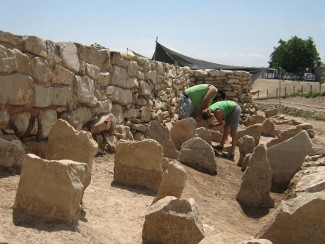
(197, 93)
(226, 107)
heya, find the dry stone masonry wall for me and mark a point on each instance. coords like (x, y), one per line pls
(42, 81)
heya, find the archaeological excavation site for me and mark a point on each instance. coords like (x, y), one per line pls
(92, 150)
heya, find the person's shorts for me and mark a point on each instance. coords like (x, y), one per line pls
(186, 107)
(233, 119)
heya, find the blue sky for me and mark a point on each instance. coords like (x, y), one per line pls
(232, 32)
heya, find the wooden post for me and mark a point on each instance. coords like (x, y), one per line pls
(267, 93)
(311, 88)
(294, 89)
(258, 94)
(277, 92)
(302, 89)
(285, 91)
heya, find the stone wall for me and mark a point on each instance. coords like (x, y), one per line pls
(42, 81)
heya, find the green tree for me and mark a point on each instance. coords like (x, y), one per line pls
(295, 56)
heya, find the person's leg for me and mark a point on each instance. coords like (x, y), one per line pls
(234, 139)
(226, 130)
(233, 121)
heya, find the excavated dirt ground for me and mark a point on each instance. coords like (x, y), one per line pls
(115, 214)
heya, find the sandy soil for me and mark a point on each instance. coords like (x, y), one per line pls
(271, 87)
(115, 214)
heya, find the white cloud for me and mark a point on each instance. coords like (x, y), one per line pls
(322, 24)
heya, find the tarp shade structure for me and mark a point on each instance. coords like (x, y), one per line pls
(164, 54)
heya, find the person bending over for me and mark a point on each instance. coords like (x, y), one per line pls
(196, 98)
(227, 113)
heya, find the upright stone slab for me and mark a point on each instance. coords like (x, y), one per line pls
(285, 135)
(198, 154)
(254, 131)
(160, 133)
(173, 182)
(51, 189)
(286, 158)
(297, 221)
(182, 131)
(64, 142)
(246, 145)
(171, 220)
(139, 164)
(257, 181)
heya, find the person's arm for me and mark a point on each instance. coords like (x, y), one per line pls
(218, 115)
(211, 93)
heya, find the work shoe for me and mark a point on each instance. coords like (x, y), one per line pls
(218, 148)
(229, 156)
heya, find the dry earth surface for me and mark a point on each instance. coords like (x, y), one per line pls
(115, 214)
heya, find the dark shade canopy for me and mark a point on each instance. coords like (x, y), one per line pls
(164, 54)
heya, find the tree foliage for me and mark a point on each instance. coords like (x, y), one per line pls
(295, 56)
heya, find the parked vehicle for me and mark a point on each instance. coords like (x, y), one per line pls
(309, 77)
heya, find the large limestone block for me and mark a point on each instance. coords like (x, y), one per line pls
(268, 128)
(84, 90)
(104, 78)
(7, 60)
(254, 131)
(12, 153)
(68, 53)
(118, 76)
(286, 158)
(254, 119)
(199, 155)
(285, 135)
(132, 68)
(297, 221)
(182, 131)
(171, 220)
(144, 89)
(64, 142)
(51, 189)
(10, 38)
(123, 132)
(52, 96)
(41, 70)
(46, 119)
(122, 96)
(257, 181)
(173, 182)
(271, 112)
(20, 122)
(246, 145)
(16, 89)
(62, 76)
(139, 164)
(204, 133)
(79, 117)
(35, 45)
(160, 133)
(91, 55)
(312, 181)
(92, 71)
